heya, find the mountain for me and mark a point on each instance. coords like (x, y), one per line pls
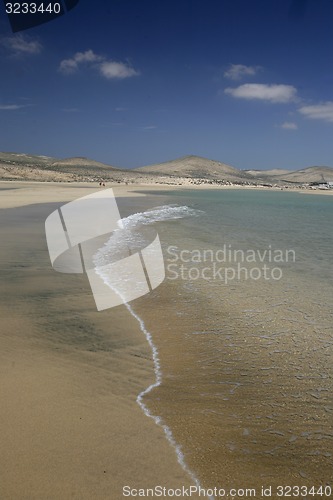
(197, 170)
(25, 159)
(79, 162)
(307, 175)
(21, 166)
(194, 167)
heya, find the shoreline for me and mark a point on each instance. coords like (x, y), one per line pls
(69, 384)
(71, 190)
(68, 340)
(235, 389)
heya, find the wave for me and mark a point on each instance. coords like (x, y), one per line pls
(127, 234)
(158, 214)
(131, 234)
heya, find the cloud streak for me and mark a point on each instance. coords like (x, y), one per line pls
(238, 71)
(21, 45)
(273, 93)
(321, 111)
(111, 70)
(80, 58)
(289, 126)
(12, 107)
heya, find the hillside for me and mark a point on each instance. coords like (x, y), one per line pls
(307, 175)
(21, 166)
(79, 162)
(194, 167)
(25, 159)
(188, 169)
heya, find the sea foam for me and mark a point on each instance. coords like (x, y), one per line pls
(127, 235)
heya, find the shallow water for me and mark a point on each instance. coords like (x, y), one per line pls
(245, 353)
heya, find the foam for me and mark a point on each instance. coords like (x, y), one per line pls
(158, 214)
(125, 235)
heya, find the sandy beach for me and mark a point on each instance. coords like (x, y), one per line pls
(70, 376)
(71, 427)
(166, 236)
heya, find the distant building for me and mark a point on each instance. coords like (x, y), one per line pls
(322, 185)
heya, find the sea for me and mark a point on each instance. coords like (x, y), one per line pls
(241, 335)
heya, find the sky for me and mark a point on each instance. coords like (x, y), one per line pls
(132, 83)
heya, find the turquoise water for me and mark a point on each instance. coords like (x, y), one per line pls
(257, 348)
(258, 219)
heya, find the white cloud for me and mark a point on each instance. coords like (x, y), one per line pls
(68, 66)
(72, 65)
(149, 127)
(87, 56)
(112, 69)
(321, 111)
(238, 71)
(289, 126)
(264, 92)
(19, 44)
(108, 69)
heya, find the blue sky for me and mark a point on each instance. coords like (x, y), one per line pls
(132, 82)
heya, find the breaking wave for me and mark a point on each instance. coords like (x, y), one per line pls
(129, 234)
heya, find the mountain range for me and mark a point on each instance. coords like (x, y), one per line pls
(20, 166)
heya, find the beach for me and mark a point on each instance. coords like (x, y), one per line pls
(248, 385)
(246, 366)
(70, 376)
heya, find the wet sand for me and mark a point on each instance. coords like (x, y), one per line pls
(70, 424)
(249, 408)
(247, 385)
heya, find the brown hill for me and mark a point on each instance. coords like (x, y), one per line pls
(79, 162)
(25, 159)
(21, 166)
(308, 175)
(37, 167)
(194, 167)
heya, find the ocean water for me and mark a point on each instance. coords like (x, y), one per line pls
(241, 334)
